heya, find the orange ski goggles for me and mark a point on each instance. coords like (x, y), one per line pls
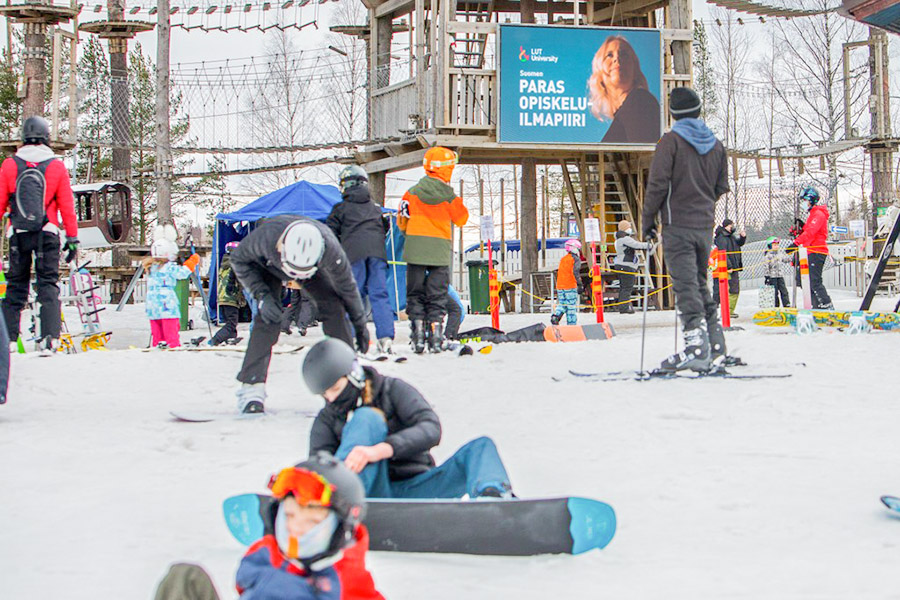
(307, 487)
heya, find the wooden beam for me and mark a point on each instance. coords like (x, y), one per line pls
(628, 7)
(392, 7)
(396, 163)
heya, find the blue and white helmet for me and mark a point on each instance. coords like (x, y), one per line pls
(301, 247)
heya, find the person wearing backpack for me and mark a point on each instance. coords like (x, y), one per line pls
(36, 192)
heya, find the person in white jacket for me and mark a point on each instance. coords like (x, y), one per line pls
(626, 263)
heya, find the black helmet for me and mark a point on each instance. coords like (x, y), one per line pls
(341, 490)
(328, 361)
(810, 194)
(352, 176)
(36, 130)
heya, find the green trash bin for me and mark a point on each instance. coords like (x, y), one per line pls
(183, 292)
(479, 287)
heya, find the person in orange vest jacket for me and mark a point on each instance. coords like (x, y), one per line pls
(568, 284)
(427, 212)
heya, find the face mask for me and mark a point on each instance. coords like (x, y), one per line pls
(346, 401)
(312, 543)
(805, 205)
(629, 231)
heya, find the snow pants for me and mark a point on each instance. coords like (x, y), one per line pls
(371, 279)
(426, 292)
(626, 286)
(229, 330)
(473, 468)
(820, 297)
(568, 304)
(687, 259)
(782, 298)
(301, 311)
(264, 335)
(44, 247)
(454, 318)
(165, 330)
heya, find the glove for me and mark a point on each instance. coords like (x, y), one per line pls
(71, 248)
(362, 337)
(191, 262)
(404, 209)
(269, 310)
(650, 235)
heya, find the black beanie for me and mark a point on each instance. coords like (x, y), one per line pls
(684, 103)
(727, 222)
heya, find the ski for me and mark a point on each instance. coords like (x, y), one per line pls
(222, 348)
(514, 527)
(657, 374)
(383, 358)
(787, 317)
(208, 417)
(887, 251)
(892, 503)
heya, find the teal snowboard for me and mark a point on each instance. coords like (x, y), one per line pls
(513, 527)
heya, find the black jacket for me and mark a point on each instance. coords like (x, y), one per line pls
(636, 121)
(358, 223)
(730, 243)
(684, 185)
(413, 426)
(257, 263)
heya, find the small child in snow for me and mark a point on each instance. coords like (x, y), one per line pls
(318, 549)
(775, 259)
(568, 284)
(162, 303)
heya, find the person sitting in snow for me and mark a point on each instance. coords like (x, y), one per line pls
(387, 442)
(318, 548)
(162, 303)
(568, 284)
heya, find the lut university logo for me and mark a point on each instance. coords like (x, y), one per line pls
(523, 55)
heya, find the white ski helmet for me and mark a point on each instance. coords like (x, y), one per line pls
(164, 248)
(301, 247)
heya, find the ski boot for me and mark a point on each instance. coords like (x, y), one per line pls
(554, 319)
(49, 346)
(436, 337)
(195, 342)
(384, 345)
(162, 346)
(251, 398)
(418, 336)
(695, 355)
(499, 492)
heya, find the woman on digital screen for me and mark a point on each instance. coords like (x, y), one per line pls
(619, 92)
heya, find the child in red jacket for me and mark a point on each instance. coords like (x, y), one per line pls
(317, 550)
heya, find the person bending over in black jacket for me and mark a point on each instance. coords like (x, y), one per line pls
(387, 442)
(688, 174)
(284, 249)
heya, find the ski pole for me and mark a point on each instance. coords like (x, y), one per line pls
(641, 373)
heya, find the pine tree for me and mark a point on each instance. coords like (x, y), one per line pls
(704, 78)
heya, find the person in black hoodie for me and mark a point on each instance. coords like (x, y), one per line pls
(359, 225)
(688, 174)
(291, 248)
(392, 429)
(726, 240)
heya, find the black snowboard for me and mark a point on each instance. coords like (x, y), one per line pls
(499, 527)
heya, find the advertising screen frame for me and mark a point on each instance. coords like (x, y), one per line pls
(636, 146)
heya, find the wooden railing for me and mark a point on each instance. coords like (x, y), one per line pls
(472, 99)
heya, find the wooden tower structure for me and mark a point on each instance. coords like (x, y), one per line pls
(445, 90)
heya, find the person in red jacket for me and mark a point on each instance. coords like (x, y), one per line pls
(35, 227)
(318, 547)
(814, 237)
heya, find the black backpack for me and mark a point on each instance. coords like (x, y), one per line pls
(27, 208)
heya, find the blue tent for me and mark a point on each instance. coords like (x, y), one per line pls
(302, 198)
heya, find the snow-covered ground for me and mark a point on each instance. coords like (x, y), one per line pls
(723, 489)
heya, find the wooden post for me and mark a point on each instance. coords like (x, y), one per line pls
(528, 234)
(35, 69)
(545, 220)
(516, 198)
(502, 228)
(163, 142)
(377, 184)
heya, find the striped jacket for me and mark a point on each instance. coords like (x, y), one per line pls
(433, 206)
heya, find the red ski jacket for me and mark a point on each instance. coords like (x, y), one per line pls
(815, 233)
(270, 576)
(58, 198)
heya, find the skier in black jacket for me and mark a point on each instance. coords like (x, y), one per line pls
(726, 240)
(387, 442)
(292, 248)
(359, 224)
(688, 174)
